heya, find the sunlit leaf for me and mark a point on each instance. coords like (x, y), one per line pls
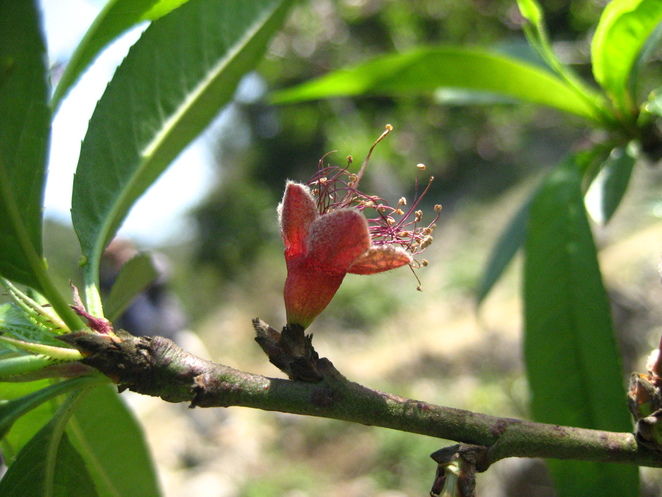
(572, 360)
(623, 29)
(536, 31)
(14, 322)
(429, 69)
(173, 82)
(25, 125)
(116, 17)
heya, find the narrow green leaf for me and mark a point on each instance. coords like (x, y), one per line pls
(25, 125)
(16, 367)
(27, 426)
(12, 410)
(572, 359)
(14, 322)
(623, 29)
(48, 465)
(42, 470)
(609, 186)
(111, 442)
(173, 82)
(536, 33)
(507, 246)
(161, 8)
(538, 37)
(532, 12)
(117, 17)
(428, 69)
(136, 275)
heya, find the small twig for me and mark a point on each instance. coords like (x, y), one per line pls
(156, 366)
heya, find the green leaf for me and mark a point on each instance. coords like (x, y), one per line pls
(23, 366)
(111, 442)
(25, 125)
(507, 246)
(173, 82)
(537, 35)
(15, 323)
(620, 36)
(609, 186)
(532, 12)
(428, 69)
(536, 32)
(117, 17)
(48, 466)
(572, 359)
(30, 423)
(136, 275)
(12, 410)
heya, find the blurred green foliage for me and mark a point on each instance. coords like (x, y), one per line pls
(479, 150)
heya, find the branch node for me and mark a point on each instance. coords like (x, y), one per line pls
(456, 469)
(291, 351)
(645, 403)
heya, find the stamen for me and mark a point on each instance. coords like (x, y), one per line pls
(337, 188)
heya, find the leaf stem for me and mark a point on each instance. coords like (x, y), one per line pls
(536, 34)
(44, 283)
(92, 295)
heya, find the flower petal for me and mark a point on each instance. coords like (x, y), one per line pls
(337, 239)
(379, 259)
(295, 214)
(308, 289)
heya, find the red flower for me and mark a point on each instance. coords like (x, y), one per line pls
(320, 249)
(326, 236)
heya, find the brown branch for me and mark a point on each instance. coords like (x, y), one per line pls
(155, 366)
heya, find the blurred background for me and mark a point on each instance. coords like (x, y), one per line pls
(212, 222)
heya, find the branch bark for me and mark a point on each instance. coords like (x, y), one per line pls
(157, 367)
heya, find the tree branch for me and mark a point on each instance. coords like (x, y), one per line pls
(157, 367)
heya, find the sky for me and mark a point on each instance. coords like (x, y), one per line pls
(159, 216)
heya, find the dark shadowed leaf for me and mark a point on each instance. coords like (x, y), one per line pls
(110, 440)
(11, 410)
(48, 466)
(24, 135)
(30, 423)
(609, 186)
(173, 82)
(572, 360)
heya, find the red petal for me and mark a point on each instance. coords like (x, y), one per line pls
(296, 213)
(337, 239)
(308, 289)
(379, 259)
